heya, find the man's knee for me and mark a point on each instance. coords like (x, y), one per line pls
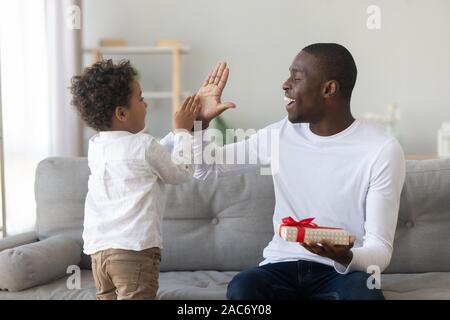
(238, 287)
(359, 288)
(245, 286)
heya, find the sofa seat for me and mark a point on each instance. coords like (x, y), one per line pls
(211, 285)
(224, 225)
(196, 285)
(410, 286)
(179, 285)
(56, 290)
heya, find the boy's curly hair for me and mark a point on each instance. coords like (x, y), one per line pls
(100, 89)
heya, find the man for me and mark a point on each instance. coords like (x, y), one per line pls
(344, 172)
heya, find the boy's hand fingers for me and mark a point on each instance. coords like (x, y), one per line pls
(191, 104)
(185, 103)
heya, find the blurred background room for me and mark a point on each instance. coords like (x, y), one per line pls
(401, 49)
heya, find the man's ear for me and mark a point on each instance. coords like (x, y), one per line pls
(120, 113)
(330, 88)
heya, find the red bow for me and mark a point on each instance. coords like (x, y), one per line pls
(305, 223)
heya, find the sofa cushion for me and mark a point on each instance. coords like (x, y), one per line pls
(219, 224)
(17, 240)
(204, 285)
(422, 237)
(224, 224)
(60, 191)
(56, 290)
(37, 263)
(195, 285)
(198, 285)
(412, 286)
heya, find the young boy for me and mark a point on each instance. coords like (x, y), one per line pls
(125, 200)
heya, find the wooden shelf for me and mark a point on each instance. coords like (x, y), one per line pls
(161, 94)
(421, 157)
(117, 46)
(136, 50)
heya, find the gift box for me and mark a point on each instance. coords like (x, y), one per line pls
(305, 230)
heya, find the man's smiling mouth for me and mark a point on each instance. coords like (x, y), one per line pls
(289, 100)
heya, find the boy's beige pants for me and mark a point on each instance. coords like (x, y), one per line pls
(126, 274)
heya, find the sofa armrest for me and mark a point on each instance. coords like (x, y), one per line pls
(17, 240)
(37, 263)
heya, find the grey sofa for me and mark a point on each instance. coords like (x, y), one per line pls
(215, 228)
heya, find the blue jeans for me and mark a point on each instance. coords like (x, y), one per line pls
(300, 280)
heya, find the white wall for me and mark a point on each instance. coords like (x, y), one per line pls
(406, 62)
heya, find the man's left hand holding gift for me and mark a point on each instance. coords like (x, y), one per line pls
(341, 254)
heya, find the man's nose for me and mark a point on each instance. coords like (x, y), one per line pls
(285, 85)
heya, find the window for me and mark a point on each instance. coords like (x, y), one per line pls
(25, 105)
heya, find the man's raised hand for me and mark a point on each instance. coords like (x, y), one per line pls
(210, 94)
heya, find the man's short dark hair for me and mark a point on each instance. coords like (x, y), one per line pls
(337, 64)
(100, 89)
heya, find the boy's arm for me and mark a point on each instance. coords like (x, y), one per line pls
(172, 167)
(176, 166)
(167, 142)
(183, 119)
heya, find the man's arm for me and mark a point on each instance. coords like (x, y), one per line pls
(209, 98)
(216, 161)
(232, 159)
(229, 160)
(382, 205)
(210, 94)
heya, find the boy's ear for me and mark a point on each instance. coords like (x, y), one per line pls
(120, 113)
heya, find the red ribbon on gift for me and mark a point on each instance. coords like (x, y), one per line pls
(301, 225)
(305, 223)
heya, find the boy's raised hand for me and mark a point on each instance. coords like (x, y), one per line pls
(210, 94)
(184, 118)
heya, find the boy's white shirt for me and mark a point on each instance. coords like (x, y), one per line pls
(351, 180)
(126, 198)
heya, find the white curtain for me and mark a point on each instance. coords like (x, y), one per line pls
(39, 54)
(64, 34)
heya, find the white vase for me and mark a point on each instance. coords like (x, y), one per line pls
(444, 140)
